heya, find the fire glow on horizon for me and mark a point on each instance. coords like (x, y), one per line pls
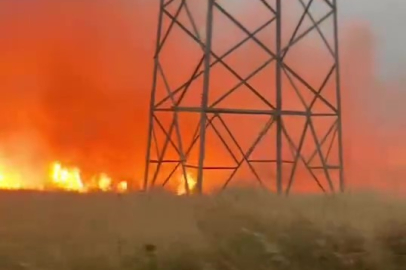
(70, 179)
(63, 178)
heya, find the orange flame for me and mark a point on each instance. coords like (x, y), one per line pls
(63, 178)
(102, 182)
(191, 182)
(66, 178)
(122, 187)
(70, 179)
(9, 182)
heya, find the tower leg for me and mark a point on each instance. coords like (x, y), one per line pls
(205, 94)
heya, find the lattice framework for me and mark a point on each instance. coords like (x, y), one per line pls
(304, 137)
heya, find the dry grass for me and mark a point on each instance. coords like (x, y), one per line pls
(243, 229)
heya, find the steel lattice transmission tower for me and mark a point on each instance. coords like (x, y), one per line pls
(246, 90)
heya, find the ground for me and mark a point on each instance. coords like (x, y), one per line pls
(241, 229)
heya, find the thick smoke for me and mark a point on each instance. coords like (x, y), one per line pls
(76, 77)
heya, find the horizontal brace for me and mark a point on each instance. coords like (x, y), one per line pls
(329, 167)
(241, 111)
(269, 161)
(212, 167)
(165, 161)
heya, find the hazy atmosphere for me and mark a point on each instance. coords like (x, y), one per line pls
(385, 18)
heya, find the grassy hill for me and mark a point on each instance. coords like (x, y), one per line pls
(241, 229)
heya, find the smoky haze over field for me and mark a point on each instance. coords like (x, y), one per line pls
(76, 76)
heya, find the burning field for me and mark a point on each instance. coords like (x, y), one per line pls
(62, 178)
(75, 81)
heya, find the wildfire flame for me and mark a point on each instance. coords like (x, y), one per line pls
(69, 178)
(191, 181)
(104, 182)
(122, 187)
(9, 182)
(66, 178)
(63, 178)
